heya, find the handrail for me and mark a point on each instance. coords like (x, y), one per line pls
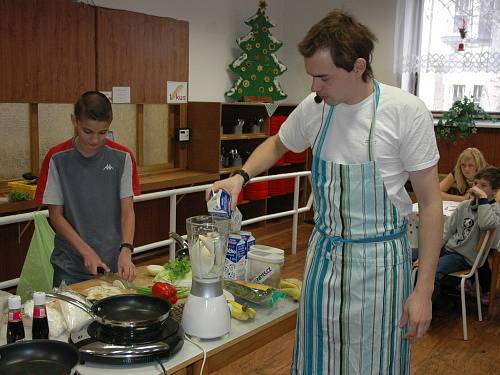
(172, 194)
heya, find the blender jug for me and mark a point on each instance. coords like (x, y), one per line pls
(206, 314)
(207, 242)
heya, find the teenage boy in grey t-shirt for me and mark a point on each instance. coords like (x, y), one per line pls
(88, 183)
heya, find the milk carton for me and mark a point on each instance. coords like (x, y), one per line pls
(235, 263)
(249, 241)
(219, 204)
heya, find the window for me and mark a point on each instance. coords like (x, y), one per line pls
(449, 49)
(458, 92)
(478, 92)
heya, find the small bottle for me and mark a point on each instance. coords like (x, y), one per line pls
(40, 329)
(15, 327)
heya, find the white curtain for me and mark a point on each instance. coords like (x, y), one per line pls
(427, 37)
(407, 43)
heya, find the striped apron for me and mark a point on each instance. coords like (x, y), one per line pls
(357, 272)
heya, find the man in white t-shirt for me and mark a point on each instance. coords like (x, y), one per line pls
(358, 311)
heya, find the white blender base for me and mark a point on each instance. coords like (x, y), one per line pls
(206, 318)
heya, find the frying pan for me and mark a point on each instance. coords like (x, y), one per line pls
(124, 310)
(35, 357)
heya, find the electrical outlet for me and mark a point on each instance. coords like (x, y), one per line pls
(182, 134)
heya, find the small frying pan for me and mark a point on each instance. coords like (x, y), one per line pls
(47, 357)
(124, 310)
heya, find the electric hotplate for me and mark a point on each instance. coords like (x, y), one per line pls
(97, 343)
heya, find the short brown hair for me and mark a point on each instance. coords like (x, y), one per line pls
(346, 38)
(93, 105)
(490, 174)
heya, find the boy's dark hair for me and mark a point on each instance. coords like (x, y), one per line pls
(93, 105)
(490, 174)
(346, 38)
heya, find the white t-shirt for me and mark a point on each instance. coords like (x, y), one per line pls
(404, 136)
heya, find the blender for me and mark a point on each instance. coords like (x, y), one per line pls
(206, 314)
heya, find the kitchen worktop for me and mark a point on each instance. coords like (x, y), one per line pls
(244, 337)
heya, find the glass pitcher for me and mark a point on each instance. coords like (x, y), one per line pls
(207, 240)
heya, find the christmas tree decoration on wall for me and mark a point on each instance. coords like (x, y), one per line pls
(463, 34)
(258, 67)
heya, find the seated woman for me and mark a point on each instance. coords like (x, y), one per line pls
(455, 186)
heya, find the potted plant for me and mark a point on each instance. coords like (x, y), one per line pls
(460, 120)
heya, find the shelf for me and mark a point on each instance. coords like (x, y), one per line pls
(234, 137)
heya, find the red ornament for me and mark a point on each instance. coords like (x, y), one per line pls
(460, 47)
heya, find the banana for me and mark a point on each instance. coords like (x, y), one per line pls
(292, 292)
(241, 312)
(286, 284)
(292, 283)
(292, 287)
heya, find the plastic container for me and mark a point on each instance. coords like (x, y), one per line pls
(256, 191)
(23, 187)
(281, 186)
(264, 265)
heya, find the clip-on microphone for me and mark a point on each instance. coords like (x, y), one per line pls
(318, 99)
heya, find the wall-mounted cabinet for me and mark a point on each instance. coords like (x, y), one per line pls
(224, 135)
(53, 51)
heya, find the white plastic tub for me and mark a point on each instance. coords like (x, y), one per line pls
(264, 265)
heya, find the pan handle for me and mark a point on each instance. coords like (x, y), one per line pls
(72, 301)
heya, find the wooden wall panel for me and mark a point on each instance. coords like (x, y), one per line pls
(47, 50)
(142, 52)
(487, 140)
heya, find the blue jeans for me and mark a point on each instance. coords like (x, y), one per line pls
(449, 262)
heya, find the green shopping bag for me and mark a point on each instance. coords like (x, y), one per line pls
(37, 272)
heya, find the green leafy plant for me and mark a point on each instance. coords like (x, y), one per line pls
(460, 120)
(17, 196)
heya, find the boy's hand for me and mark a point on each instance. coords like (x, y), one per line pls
(477, 192)
(92, 262)
(126, 269)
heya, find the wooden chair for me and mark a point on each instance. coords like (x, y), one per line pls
(483, 249)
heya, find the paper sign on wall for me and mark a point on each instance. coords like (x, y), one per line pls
(176, 92)
(121, 94)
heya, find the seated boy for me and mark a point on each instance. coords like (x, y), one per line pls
(88, 183)
(462, 230)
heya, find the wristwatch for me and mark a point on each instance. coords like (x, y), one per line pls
(128, 246)
(243, 174)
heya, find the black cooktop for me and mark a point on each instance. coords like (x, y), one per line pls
(97, 343)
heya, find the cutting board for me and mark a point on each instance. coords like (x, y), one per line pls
(143, 279)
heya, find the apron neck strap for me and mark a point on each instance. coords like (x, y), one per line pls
(326, 124)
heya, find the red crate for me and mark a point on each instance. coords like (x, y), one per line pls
(275, 123)
(256, 191)
(294, 157)
(281, 186)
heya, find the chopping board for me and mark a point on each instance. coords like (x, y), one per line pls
(143, 279)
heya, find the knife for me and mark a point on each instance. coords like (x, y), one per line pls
(110, 277)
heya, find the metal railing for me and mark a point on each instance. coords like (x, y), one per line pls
(172, 194)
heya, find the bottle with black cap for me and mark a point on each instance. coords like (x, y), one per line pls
(40, 329)
(15, 327)
(318, 99)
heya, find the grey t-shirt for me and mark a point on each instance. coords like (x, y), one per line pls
(90, 189)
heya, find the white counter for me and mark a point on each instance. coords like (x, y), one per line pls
(266, 317)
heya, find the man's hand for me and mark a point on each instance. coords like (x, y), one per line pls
(232, 185)
(417, 315)
(126, 269)
(92, 262)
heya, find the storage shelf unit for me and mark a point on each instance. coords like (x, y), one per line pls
(213, 125)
